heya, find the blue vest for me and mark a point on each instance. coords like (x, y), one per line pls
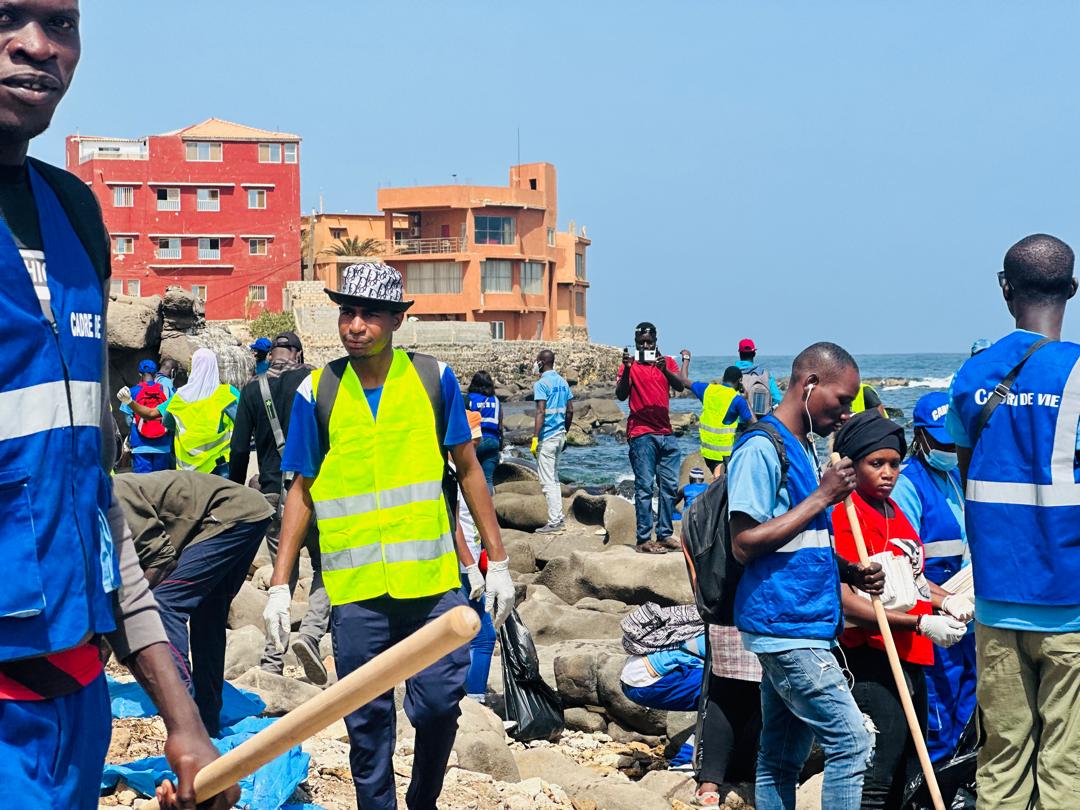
(794, 591)
(53, 490)
(1022, 502)
(690, 494)
(942, 536)
(488, 408)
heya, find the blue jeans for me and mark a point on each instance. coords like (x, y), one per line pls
(804, 695)
(487, 453)
(654, 458)
(152, 462)
(481, 648)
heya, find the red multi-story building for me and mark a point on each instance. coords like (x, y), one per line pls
(213, 208)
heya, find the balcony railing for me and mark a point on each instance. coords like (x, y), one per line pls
(142, 154)
(447, 244)
(168, 253)
(209, 253)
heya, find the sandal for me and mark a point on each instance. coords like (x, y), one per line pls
(670, 543)
(710, 798)
(650, 547)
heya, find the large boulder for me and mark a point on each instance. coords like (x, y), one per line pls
(510, 469)
(247, 607)
(529, 487)
(520, 551)
(280, 694)
(682, 423)
(577, 436)
(620, 521)
(481, 743)
(550, 623)
(134, 323)
(593, 412)
(586, 787)
(619, 573)
(243, 650)
(523, 512)
(618, 706)
(580, 719)
(518, 428)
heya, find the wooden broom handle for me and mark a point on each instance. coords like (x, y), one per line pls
(894, 660)
(389, 668)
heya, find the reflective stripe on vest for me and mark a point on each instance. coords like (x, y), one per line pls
(203, 430)
(26, 411)
(943, 548)
(383, 524)
(717, 438)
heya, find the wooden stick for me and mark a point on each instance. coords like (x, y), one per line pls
(894, 660)
(389, 668)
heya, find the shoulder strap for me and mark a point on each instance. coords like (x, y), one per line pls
(1001, 390)
(428, 369)
(770, 430)
(271, 412)
(84, 213)
(329, 382)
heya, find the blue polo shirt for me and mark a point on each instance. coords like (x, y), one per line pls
(553, 390)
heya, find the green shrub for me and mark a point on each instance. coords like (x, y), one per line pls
(270, 324)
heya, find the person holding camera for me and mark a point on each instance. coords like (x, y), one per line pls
(646, 378)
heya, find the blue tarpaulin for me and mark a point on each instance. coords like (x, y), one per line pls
(267, 789)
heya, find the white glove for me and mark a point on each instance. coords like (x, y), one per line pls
(476, 582)
(942, 630)
(276, 616)
(500, 594)
(959, 607)
(124, 395)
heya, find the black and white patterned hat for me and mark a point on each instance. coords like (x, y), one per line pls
(371, 283)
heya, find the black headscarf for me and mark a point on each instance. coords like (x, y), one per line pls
(867, 432)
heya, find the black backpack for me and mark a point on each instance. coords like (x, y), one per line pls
(706, 536)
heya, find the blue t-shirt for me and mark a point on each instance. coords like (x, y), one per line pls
(774, 389)
(303, 453)
(552, 389)
(739, 407)
(753, 478)
(1010, 615)
(139, 443)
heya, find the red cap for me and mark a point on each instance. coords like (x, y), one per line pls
(747, 345)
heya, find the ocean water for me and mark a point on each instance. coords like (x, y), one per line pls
(608, 463)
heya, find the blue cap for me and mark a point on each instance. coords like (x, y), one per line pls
(262, 345)
(148, 367)
(980, 345)
(929, 413)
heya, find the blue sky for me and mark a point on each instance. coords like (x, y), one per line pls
(789, 171)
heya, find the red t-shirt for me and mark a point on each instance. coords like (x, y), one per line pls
(649, 399)
(877, 531)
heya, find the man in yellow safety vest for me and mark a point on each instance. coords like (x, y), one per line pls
(723, 410)
(368, 438)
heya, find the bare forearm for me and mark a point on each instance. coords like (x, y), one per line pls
(538, 420)
(751, 540)
(294, 523)
(478, 499)
(155, 670)
(860, 612)
(677, 382)
(622, 387)
(143, 411)
(569, 415)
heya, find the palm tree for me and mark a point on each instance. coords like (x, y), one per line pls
(355, 246)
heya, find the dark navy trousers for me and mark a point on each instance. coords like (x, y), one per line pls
(199, 590)
(362, 630)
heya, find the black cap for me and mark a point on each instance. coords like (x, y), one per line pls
(288, 340)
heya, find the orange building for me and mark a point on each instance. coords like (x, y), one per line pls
(335, 232)
(484, 253)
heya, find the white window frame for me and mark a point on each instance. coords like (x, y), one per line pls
(194, 151)
(133, 287)
(498, 330)
(195, 290)
(267, 153)
(212, 202)
(116, 286)
(433, 278)
(255, 195)
(290, 152)
(255, 243)
(551, 237)
(123, 241)
(123, 196)
(209, 248)
(579, 266)
(172, 251)
(535, 285)
(172, 198)
(257, 293)
(496, 276)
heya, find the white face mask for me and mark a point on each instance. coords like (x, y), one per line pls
(536, 368)
(941, 460)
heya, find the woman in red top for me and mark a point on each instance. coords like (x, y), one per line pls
(877, 445)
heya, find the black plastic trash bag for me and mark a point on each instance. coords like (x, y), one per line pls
(955, 776)
(532, 705)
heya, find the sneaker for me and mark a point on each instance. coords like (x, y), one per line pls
(308, 656)
(552, 528)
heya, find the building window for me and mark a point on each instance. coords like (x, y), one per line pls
(425, 278)
(199, 291)
(208, 199)
(494, 230)
(269, 153)
(256, 198)
(257, 292)
(209, 248)
(203, 151)
(123, 245)
(579, 304)
(168, 199)
(532, 278)
(257, 247)
(290, 152)
(116, 286)
(495, 276)
(339, 233)
(551, 237)
(134, 287)
(498, 330)
(168, 248)
(579, 265)
(123, 197)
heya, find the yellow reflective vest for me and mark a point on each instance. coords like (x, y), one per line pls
(717, 437)
(858, 405)
(383, 522)
(203, 430)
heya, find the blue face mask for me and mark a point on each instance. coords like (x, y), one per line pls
(941, 460)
